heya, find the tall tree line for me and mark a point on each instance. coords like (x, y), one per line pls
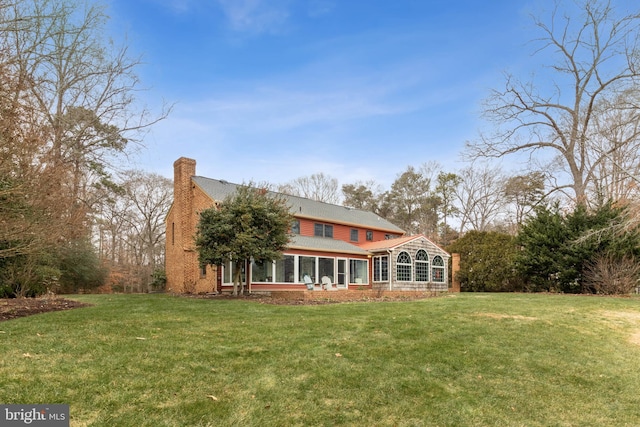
(67, 116)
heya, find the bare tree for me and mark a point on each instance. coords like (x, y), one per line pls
(618, 145)
(130, 225)
(597, 58)
(480, 196)
(445, 190)
(318, 186)
(524, 193)
(81, 90)
(149, 197)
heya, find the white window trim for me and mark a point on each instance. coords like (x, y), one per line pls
(373, 263)
(437, 267)
(410, 265)
(422, 262)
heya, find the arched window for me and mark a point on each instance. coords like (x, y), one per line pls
(437, 269)
(403, 267)
(422, 266)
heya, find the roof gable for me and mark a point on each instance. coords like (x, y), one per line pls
(218, 190)
(390, 244)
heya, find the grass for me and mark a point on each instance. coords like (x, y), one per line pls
(462, 360)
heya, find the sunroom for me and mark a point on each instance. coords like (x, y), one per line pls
(311, 263)
(411, 263)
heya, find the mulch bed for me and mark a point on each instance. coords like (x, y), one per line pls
(21, 307)
(14, 308)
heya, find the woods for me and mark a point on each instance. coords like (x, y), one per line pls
(68, 118)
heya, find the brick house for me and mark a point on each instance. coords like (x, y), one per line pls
(333, 247)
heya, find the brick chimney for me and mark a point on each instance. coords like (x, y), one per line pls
(184, 262)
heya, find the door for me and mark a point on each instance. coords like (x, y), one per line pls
(341, 281)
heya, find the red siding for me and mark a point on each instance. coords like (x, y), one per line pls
(342, 232)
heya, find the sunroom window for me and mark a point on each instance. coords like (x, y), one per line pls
(403, 267)
(358, 271)
(437, 269)
(381, 268)
(422, 266)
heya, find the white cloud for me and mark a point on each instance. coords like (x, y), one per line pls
(256, 16)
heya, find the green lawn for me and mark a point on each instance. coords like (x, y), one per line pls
(460, 360)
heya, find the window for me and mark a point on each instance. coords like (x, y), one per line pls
(422, 266)
(328, 231)
(229, 271)
(203, 271)
(326, 268)
(295, 226)
(262, 271)
(307, 267)
(285, 269)
(173, 233)
(403, 267)
(438, 269)
(369, 235)
(323, 230)
(381, 268)
(358, 271)
(354, 234)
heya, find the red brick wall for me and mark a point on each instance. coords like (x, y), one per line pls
(182, 267)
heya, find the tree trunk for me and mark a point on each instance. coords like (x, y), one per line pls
(237, 280)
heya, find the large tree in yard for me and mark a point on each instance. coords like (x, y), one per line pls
(250, 224)
(563, 115)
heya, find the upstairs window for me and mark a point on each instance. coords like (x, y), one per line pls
(323, 230)
(295, 226)
(354, 234)
(369, 235)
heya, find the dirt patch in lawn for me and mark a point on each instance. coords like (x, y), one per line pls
(505, 316)
(325, 297)
(622, 319)
(14, 308)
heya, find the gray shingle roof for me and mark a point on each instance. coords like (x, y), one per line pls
(324, 244)
(218, 190)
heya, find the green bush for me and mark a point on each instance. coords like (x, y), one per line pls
(80, 267)
(27, 276)
(486, 262)
(158, 280)
(556, 248)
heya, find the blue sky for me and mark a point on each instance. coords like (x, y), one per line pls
(271, 90)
